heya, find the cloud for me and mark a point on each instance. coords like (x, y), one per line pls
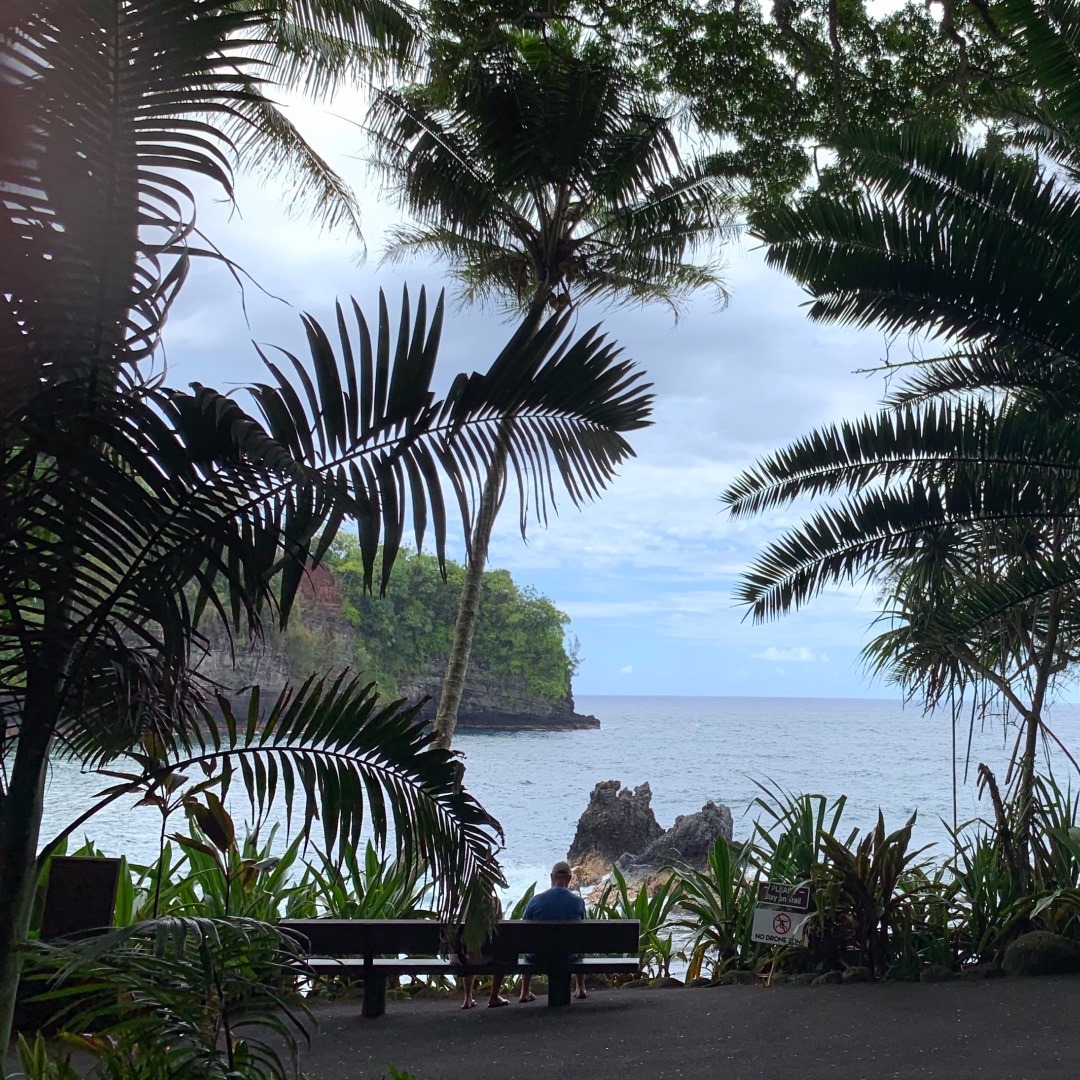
(799, 654)
(650, 570)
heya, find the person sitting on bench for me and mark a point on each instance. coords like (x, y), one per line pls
(558, 902)
(464, 958)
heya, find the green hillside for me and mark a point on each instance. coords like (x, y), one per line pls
(521, 635)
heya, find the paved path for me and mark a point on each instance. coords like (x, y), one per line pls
(1003, 1029)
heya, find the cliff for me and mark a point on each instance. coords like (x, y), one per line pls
(321, 639)
(496, 702)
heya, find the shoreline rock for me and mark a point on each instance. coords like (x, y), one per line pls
(687, 842)
(619, 829)
(617, 820)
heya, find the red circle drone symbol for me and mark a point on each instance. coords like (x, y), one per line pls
(781, 922)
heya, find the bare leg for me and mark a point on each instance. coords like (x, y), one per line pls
(526, 995)
(580, 980)
(496, 1000)
(467, 984)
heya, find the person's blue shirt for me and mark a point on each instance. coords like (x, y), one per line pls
(555, 903)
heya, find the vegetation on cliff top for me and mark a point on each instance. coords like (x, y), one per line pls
(520, 637)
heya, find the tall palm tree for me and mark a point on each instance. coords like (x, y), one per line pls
(542, 171)
(129, 509)
(975, 458)
(545, 177)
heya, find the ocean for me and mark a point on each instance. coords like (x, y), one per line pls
(877, 753)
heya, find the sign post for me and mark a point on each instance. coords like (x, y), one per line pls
(781, 914)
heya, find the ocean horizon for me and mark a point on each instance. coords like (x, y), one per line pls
(875, 752)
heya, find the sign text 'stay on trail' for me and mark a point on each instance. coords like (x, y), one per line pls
(781, 913)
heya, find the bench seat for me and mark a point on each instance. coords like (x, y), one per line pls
(354, 967)
(373, 950)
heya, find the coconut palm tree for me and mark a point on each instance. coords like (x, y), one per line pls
(129, 509)
(542, 171)
(545, 177)
(963, 492)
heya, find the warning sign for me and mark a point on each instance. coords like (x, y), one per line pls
(780, 894)
(778, 927)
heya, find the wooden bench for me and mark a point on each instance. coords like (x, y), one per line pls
(371, 950)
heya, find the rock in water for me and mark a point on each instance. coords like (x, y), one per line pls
(688, 841)
(616, 821)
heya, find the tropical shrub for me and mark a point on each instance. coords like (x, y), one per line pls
(374, 887)
(789, 846)
(652, 908)
(716, 911)
(866, 886)
(175, 997)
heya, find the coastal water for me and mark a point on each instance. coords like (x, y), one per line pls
(877, 753)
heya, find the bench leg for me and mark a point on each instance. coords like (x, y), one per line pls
(559, 987)
(374, 994)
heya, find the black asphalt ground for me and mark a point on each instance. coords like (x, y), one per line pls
(1014, 1029)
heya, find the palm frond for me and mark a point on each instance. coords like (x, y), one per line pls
(845, 543)
(317, 46)
(186, 986)
(543, 167)
(93, 218)
(921, 248)
(378, 438)
(339, 761)
(956, 445)
(152, 507)
(269, 145)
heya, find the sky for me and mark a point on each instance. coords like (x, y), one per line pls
(648, 573)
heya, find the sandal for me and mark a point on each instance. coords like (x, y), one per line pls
(498, 1003)
(523, 1000)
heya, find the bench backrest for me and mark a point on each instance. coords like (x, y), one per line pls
(420, 937)
(340, 937)
(577, 936)
(80, 897)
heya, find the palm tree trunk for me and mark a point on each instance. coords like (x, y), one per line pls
(457, 664)
(1025, 788)
(20, 827)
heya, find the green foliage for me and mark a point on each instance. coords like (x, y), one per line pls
(873, 902)
(543, 170)
(771, 84)
(520, 636)
(868, 881)
(958, 499)
(372, 888)
(176, 997)
(653, 908)
(874, 899)
(716, 907)
(330, 750)
(37, 1063)
(518, 910)
(774, 83)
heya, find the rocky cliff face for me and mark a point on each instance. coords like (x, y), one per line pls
(488, 702)
(491, 702)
